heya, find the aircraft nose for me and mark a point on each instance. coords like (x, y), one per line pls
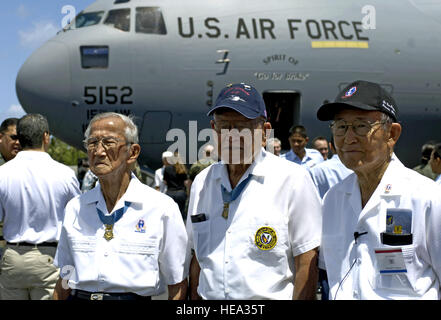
(44, 79)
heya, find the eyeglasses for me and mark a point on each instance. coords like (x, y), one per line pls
(91, 144)
(360, 127)
(239, 125)
(13, 136)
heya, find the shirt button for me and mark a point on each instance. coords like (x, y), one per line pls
(227, 291)
(106, 254)
(355, 294)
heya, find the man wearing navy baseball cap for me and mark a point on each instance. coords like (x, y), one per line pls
(380, 234)
(251, 216)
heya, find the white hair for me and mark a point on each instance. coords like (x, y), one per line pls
(271, 141)
(130, 131)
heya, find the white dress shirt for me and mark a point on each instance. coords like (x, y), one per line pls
(280, 197)
(355, 270)
(34, 189)
(311, 158)
(438, 179)
(148, 249)
(328, 173)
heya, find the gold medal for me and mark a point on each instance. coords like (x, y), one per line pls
(108, 234)
(226, 209)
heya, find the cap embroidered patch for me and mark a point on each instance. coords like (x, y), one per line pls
(265, 238)
(350, 92)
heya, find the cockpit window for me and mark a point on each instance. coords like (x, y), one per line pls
(150, 20)
(119, 19)
(86, 19)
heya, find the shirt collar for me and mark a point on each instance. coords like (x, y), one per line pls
(32, 154)
(133, 194)
(389, 185)
(257, 169)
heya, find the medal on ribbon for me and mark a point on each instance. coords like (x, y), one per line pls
(108, 233)
(228, 197)
(111, 219)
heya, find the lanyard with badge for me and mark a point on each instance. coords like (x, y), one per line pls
(111, 219)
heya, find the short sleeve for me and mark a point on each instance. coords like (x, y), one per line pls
(173, 256)
(305, 217)
(63, 255)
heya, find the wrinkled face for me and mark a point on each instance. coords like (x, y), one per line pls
(322, 147)
(9, 144)
(107, 147)
(238, 138)
(298, 143)
(435, 163)
(367, 152)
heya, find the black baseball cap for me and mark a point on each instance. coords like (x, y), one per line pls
(242, 98)
(362, 95)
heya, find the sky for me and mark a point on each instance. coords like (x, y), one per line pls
(24, 26)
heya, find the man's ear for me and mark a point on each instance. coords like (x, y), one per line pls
(46, 140)
(394, 134)
(134, 151)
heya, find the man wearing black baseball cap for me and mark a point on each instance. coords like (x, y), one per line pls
(251, 216)
(380, 224)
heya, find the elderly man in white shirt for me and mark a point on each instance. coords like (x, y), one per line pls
(34, 189)
(381, 237)
(254, 218)
(121, 240)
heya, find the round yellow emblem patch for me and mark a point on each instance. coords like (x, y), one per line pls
(265, 238)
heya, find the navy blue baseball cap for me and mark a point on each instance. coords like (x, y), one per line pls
(241, 98)
(362, 95)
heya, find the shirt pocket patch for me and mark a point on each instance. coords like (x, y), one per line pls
(201, 238)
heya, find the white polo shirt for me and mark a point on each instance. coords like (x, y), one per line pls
(34, 189)
(148, 249)
(355, 270)
(251, 254)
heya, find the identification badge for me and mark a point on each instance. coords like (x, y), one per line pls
(390, 261)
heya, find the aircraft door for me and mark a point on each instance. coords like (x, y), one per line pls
(283, 108)
(154, 128)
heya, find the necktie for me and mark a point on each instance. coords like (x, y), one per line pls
(111, 219)
(228, 197)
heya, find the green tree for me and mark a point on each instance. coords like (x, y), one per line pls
(64, 153)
